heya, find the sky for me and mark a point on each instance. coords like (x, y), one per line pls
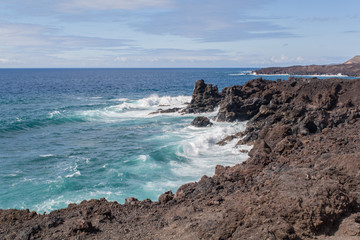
(177, 33)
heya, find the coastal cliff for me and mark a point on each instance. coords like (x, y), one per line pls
(349, 68)
(301, 180)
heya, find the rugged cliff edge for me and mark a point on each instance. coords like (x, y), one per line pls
(301, 181)
(349, 68)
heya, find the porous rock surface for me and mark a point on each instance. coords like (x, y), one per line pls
(301, 181)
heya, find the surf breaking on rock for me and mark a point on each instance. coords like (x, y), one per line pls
(301, 180)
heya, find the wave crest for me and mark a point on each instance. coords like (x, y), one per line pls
(153, 101)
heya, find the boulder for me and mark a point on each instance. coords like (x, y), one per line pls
(201, 122)
(166, 197)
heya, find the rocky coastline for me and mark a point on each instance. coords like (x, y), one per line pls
(301, 180)
(349, 68)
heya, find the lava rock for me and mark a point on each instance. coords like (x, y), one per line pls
(166, 197)
(301, 180)
(201, 122)
(205, 98)
(169, 110)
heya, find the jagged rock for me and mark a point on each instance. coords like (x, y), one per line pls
(243, 102)
(229, 138)
(301, 180)
(166, 197)
(169, 110)
(201, 122)
(131, 201)
(205, 98)
(82, 225)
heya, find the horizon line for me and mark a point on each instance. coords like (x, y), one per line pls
(125, 67)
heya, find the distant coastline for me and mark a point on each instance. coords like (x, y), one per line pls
(339, 75)
(350, 68)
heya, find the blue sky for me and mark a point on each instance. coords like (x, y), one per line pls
(177, 33)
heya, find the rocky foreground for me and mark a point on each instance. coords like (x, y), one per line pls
(349, 68)
(301, 181)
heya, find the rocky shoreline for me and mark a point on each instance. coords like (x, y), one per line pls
(349, 68)
(301, 181)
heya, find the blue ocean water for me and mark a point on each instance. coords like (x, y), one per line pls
(72, 134)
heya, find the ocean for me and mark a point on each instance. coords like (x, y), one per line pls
(68, 135)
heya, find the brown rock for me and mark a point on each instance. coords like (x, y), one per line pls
(301, 180)
(205, 98)
(166, 197)
(201, 122)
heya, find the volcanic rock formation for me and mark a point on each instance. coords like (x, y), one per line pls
(301, 181)
(204, 98)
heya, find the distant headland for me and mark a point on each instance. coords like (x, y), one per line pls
(349, 68)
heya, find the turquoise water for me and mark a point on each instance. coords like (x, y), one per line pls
(72, 134)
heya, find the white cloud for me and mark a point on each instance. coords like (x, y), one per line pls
(172, 55)
(16, 35)
(154, 59)
(197, 58)
(213, 21)
(37, 38)
(4, 60)
(10, 59)
(281, 59)
(38, 46)
(113, 4)
(120, 59)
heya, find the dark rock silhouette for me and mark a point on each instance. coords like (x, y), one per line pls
(169, 110)
(205, 98)
(201, 122)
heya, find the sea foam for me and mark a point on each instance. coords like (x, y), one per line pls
(153, 101)
(133, 109)
(204, 154)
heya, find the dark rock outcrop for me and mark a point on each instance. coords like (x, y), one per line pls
(205, 98)
(302, 106)
(166, 197)
(301, 181)
(201, 122)
(243, 102)
(169, 110)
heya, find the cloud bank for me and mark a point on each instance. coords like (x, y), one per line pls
(175, 33)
